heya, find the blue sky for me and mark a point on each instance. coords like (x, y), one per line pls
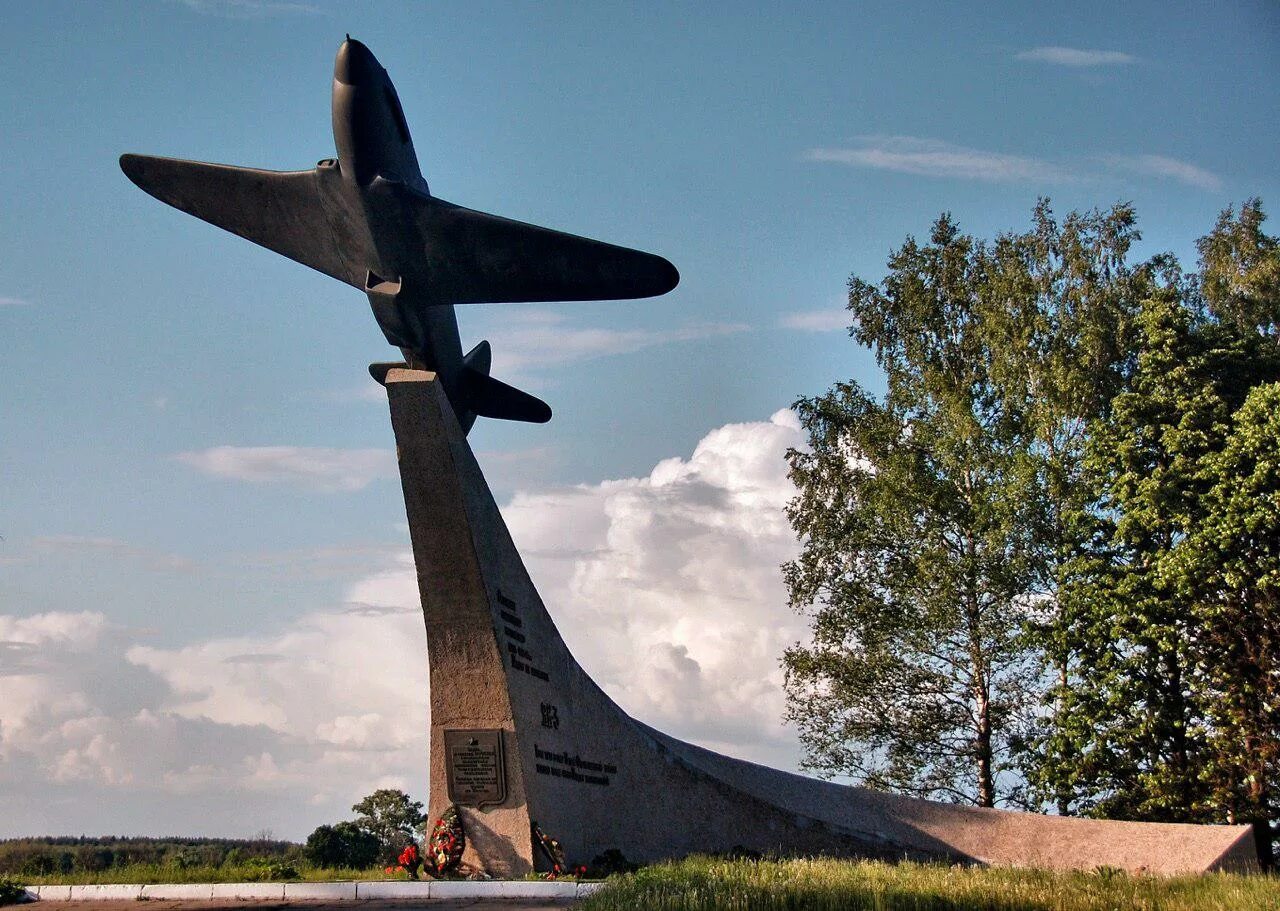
(191, 454)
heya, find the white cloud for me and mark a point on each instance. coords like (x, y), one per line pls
(534, 338)
(1166, 168)
(316, 468)
(1070, 56)
(14, 302)
(816, 320)
(211, 736)
(935, 158)
(666, 588)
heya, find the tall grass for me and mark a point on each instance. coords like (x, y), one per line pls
(707, 884)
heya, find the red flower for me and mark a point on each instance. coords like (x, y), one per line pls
(389, 870)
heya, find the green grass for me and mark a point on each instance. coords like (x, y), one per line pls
(707, 884)
(204, 873)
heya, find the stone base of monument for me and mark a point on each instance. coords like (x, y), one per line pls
(522, 738)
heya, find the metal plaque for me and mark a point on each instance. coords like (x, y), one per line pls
(474, 767)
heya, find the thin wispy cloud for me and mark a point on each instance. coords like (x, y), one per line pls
(1072, 56)
(1166, 168)
(250, 9)
(315, 468)
(816, 320)
(531, 339)
(61, 545)
(14, 302)
(935, 158)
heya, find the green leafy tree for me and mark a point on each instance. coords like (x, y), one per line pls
(390, 816)
(1232, 564)
(912, 515)
(342, 845)
(1240, 271)
(1164, 614)
(1061, 321)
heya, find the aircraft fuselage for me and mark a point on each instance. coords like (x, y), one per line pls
(377, 161)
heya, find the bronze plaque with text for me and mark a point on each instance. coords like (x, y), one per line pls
(473, 763)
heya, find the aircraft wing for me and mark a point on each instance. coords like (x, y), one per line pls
(473, 257)
(285, 211)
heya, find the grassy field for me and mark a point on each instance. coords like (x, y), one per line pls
(203, 873)
(704, 884)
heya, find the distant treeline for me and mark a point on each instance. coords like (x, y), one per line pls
(71, 854)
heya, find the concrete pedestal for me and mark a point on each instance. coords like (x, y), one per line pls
(593, 778)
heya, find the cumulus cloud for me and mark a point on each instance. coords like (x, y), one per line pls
(666, 587)
(935, 158)
(247, 731)
(1070, 56)
(1164, 167)
(316, 468)
(534, 338)
(816, 320)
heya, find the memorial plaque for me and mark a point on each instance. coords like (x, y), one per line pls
(473, 761)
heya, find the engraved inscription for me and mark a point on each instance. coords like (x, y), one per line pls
(520, 657)
(550, 716)
(474, 767)
(574, 768)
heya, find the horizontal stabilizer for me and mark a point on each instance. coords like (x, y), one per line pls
(475, 258)
(492, 398)
(284, 211)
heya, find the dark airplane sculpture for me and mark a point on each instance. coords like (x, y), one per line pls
(367, 218)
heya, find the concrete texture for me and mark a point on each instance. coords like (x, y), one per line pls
(594, 778)
(385, 892)
(179, 891)
(393, 889)
(273, 891)
(470, 904)
(337, 891)
(105, 893)
(504, 889)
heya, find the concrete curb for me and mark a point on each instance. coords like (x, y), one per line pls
(273, 891)
(343, 890)
(179, 891)
(105, 892)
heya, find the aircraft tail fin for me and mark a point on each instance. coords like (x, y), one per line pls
(490, 398)
(480, 394)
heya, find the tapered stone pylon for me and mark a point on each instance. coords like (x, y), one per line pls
(521, 735)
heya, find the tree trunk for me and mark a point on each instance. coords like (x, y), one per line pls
(986, 778)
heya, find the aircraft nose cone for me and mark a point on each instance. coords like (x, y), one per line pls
(355, 64)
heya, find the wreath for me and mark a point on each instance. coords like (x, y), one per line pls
(444, 850)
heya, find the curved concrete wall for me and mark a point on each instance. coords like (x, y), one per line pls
(594, 778)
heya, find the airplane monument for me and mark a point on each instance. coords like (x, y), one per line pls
(523, 742)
